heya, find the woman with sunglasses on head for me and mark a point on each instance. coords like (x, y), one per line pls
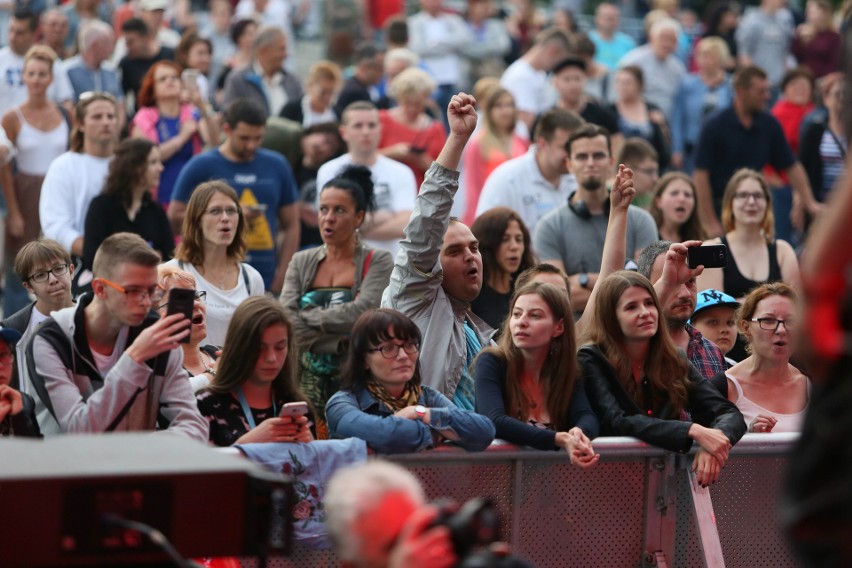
(772, 394)
(212, 250)
(254, 379)
(382, 400)
(126, 206)
(199, 358)
(640, 385)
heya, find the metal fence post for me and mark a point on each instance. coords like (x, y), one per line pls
(660, 511)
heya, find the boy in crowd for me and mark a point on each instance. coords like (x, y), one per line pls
(715, 316)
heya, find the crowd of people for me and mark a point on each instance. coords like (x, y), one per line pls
(374, 253)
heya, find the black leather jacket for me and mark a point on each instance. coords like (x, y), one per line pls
(621, 416)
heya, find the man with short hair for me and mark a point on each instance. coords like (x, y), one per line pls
(46, 270)
(54, 31)
(662, 69)
(526, 78)
(763, 37)
(537, 182)
(569, 81)
(91, 70)
(143, 49)
(678, 306)
(638, 155)
(77, 176)
(394, 186)
(265, 81)
(610, 43)
(571, 237)
(438, 271)
(264, 181)
(745, 135)
(368, 61)
(22, 36)
(110, 364)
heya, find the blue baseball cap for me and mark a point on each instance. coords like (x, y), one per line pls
(712, 298)
(9, 335)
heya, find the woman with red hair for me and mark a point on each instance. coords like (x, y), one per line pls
(179, 129)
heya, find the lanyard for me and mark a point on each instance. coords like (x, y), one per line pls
(247, 411)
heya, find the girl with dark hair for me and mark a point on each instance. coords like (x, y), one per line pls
(326, 288)
(382, 401)
(529, 385)
(179, 129)
(254, 379)
(506, 249)
(675, 209)
(640, 385)
(213, 249)
(126, 204)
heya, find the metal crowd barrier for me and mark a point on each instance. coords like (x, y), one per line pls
(637, 507)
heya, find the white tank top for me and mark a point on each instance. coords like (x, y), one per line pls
(750, 410)
(36, 149)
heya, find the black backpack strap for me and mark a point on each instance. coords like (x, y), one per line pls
(48, 330)
(245, 277)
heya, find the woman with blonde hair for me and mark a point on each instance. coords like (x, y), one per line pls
(409, 135)
(321, 89)
(213, 249)
(495, 143)
(39, 129)
(640, 385)
(755, 256)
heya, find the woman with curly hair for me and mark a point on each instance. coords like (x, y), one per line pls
(126, 204)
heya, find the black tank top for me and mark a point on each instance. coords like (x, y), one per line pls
(738, 285)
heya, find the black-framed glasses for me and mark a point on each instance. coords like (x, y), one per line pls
(43, 275)
(772, 324)
(391, 350)
(199, 295)
(137, 293)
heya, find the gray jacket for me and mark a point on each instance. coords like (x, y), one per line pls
(321, 330)
(130, 397)
(415, 285)
(247, 84)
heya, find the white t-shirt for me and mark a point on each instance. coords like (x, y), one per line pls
(528, 86)
(12, 89)
(72, 181)
(395, 189)
(222, 303)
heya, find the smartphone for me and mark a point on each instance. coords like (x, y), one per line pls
(181, 301)
(709, 256)
(294, 410)
(189, 77)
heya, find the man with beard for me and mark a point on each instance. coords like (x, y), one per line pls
(678, 306)
(572, 237)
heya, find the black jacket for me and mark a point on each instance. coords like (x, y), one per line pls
(19, 321)
(621, 416)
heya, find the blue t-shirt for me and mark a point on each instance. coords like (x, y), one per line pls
(167, 128)
(267, 179)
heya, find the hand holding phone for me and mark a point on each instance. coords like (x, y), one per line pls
(181, 301)
(294, 410)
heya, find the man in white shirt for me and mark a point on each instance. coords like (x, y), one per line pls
(77, 176)
(537, 182)
(395, 187)
(22, 36)
(526, 78)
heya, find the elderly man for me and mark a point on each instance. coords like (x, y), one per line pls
(662, 69)
(265, 81)
(91, 70)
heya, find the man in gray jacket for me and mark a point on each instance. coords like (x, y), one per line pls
(438, 270)
(108, 364)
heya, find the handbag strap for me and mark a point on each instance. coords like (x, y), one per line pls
(367, 260)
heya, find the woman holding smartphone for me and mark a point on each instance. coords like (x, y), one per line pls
(254, 379)
(382, 401)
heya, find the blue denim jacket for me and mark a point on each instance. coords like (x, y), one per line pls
(358, 414)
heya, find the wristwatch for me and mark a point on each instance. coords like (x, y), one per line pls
(583, 279)
(420, 410)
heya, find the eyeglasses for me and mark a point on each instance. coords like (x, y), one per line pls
(217, 211)
(136, 294)
(42, 276)
(745, 196)
(391, 350)
(199, 295)
(772, 324)
(6, 357)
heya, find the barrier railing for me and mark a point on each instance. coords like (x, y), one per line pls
(638, 507)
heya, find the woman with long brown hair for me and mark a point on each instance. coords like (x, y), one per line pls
(674, 208)
(640, 385)
(255, 377)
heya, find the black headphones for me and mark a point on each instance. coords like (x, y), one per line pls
(581, 210)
